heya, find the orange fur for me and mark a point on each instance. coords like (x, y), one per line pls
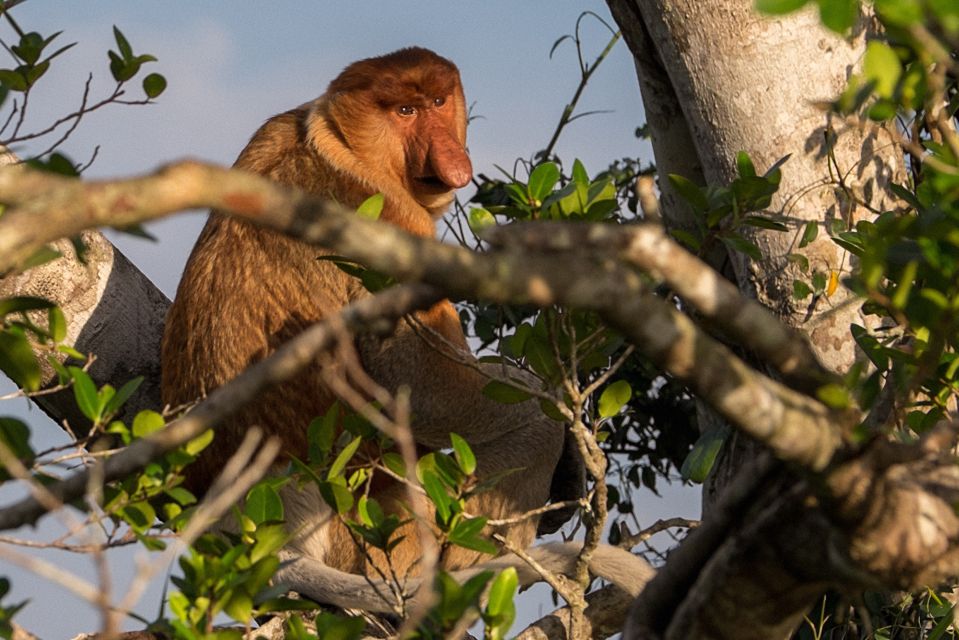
(394, 125)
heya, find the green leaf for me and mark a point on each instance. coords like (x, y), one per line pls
(901, 295)
(504, 393)
(146, 422)
(799, 260)
(321, 434)
(122, 44)
(336, 469)
(614, 398)
(468, 534)
(263, 504)
(689, 192)
(500, 609)
(906, 195)
(517, 195)
(580, 176)
(542, 181)
(199, 443)
(180, 495)
(851, 242)
(464, 455)
(16, 436)
(834, 396)
(19, 304)
(437, 493)
(118, 400)
(57, 324)
(394, 462)
(32, 74)
(881, 66)
(873, 349)
(601, 210)
(570, 200)
(838, 15)
(139, 515)
(239, 606)
(686, 239)
(882, 110)
(741, 244)
(779, 7)
(30, 47)
(153, 85)
(901, 13)
(59, 164)
(764, 223)
(333, 627)
(551, 410)
(947, 13)
(337, 496)
(480, 219)
(744, 165)
(446, 468)
(18, 361)
(700, 460)
(13, 80)
(810, 231)
(121, 69)
(370, 512)
(372, 207)
(63, 376)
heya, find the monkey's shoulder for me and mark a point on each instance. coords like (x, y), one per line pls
(284, 150)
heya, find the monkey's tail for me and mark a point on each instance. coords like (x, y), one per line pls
(319, 582)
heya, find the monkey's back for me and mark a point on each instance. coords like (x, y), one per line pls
(246, 290)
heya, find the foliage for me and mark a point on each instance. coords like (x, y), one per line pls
(33, 58)
(907, 258)
(232, 574)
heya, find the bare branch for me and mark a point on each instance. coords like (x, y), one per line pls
(798, 428)
(716, 299)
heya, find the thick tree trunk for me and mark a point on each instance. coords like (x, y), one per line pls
(748, 83)
(717, 79)
(113, 311)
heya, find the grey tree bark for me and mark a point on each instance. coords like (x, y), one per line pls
(717, 78)
(113, 311)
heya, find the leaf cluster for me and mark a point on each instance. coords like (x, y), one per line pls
(722, 212)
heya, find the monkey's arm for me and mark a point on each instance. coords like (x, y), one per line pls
(326, 585)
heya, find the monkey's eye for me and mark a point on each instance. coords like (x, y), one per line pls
(439, 102)
(406, 110)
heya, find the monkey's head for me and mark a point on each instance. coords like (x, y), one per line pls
(405, 112)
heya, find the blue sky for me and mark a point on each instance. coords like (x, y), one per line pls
(233, 64)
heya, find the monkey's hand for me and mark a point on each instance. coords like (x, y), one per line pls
(568, 484)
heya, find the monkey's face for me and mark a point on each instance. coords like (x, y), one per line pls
(405, 113)
(435, 159)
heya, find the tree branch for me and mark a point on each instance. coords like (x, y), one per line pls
(797, 428)
(364, 315)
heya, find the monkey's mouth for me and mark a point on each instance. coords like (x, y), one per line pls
(431, 184)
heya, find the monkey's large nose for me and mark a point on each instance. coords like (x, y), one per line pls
(457, 174)
(450, 162)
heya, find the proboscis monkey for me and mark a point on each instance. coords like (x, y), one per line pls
(395, 125)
